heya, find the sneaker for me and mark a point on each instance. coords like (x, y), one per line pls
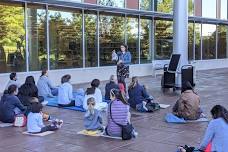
(134, 134)
(44, 103)
(59, 123)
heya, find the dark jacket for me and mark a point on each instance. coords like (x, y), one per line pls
(7, 105)
(137, 95)
(109, 86)
(25, 92)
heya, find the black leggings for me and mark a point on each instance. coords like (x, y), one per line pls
(71, 104)
(49, 128)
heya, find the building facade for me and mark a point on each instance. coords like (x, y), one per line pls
(78, 36)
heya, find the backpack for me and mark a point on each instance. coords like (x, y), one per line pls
(20, 120)
(152, 106)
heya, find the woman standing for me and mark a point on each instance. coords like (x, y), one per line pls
(123, 60)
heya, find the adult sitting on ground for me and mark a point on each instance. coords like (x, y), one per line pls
(119, 109)
(112, 84)
(138, 96)
(45, 86)
(188, 105)
(28, 90)
(94, 92)
(65, 92)
(13, 80)
(10, 105)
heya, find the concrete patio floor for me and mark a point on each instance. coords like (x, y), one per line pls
(155, 135)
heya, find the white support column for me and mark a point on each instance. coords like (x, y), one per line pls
(180, 35)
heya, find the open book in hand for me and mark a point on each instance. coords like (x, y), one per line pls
(114, 56)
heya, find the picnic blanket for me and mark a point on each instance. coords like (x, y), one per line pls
(4, 125)
(53, 102)
(96, 134)
(171, 118)
(38, 134)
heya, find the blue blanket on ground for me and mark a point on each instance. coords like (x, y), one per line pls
(53, 102)
(171, 118)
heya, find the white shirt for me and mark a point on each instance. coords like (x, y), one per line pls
(97, 96)
(12, 82)
(65, 93)
(34, 122)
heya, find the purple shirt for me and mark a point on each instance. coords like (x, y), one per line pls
(120, 115)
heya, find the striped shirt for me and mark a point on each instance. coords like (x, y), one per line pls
(120, 115)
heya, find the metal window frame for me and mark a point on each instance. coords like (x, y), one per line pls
(98, 39)
(47, 38)
(83, 39)
(26, 36)
(139, 39)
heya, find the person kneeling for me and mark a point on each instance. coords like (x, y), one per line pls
(92, 119)
(188, 105)
(35, 120)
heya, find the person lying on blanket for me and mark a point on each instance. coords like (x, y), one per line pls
(216, 136)
(188, 105)
(35, 120)
(92, 119)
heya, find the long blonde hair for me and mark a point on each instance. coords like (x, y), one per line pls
(133, 83)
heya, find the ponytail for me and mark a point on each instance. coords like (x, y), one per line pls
(119, 96)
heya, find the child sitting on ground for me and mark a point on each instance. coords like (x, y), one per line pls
(92, 118)
(35, 120)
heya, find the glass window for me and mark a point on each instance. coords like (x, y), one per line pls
(111, 36)
(12, 39)
(91, 40)
(190, 40)
(190, 7)
(222, 41)
(37, 37)
(223, 9)
(163, 39)
(197, 41)
(65, 34)
(209, 41)
(197, 7)
(132, 4)
(145, 47)
(132, 38)
(145, 5)
(209, 8)
(165, 6)
(113, 3)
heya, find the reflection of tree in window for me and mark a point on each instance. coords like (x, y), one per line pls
(65, 39)
(209, 41)
(222, 41)
(145, 50)
(165, 6)
(145, 5)
(163, 39)
(12, 39)
(190, 40)
(37, 37)
(113, 3)
(190, 7)
(132, 38)
(90, 40)
(197, 41)
(111, 37)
